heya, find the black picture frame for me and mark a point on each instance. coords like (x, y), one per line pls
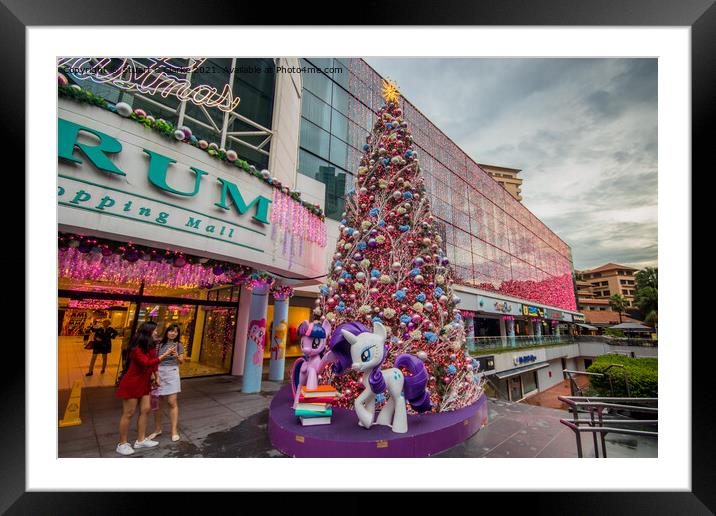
(699, 15)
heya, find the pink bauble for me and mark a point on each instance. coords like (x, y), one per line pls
(62, 80)
(140, 112)
(231, 155)
(203, 144)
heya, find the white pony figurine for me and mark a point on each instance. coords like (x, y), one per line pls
(353, 346)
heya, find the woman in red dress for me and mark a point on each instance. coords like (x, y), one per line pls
(135, 385)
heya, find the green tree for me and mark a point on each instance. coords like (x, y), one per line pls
(647, 299)
(647, 277)
(618, 303)
(646, 296)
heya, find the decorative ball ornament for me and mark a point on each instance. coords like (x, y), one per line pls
(396, 266)
(186, 131)
(203, 144)
(123, 109)
(265, 174)
(62, 80)
(231, 155)
(422, 355)
(179, 135)
(213, 146)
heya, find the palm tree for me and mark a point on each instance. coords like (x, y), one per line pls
(618, 303)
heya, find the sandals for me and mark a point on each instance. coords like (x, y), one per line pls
(154, 434)
(175, 437)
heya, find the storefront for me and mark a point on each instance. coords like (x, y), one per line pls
(515, 375)
(159, 226)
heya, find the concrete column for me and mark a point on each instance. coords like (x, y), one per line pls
(538, 328)
(279, 334)
(254, 356)
(242, 326)
(503, 331)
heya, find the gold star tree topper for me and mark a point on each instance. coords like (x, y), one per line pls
(390, 91)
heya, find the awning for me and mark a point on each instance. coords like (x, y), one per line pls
(631, 327)
(587, 327)
(519, 370)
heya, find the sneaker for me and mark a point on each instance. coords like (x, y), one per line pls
(175, 437)
(146, 443)
(124, 449)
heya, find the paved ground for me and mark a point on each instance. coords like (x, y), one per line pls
(549, 398)
(217, 420)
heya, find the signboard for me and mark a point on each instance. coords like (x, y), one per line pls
(485, 363)
(532, 311)
(524, 359)
(554, 314)
(578, 318)
(497, 306)
(158, 77)
(122, 181)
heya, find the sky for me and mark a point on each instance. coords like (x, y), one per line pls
(583, 132)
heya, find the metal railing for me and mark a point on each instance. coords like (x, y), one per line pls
(617, 341)
(597, 424)
(576, 389)
(520, 341)
(476, 344)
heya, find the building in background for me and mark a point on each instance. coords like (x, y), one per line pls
(506, 178)
(603, 282)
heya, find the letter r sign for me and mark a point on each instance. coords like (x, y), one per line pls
(67, 134)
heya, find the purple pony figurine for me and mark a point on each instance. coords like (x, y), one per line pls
(354, 346)
(313, 344)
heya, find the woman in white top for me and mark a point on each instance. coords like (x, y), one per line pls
(169, 385)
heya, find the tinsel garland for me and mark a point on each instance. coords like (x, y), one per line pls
(89, 258)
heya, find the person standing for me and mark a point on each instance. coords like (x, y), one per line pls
(135, 385)
(169, 382)
(102, 344)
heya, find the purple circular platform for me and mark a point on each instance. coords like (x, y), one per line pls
(427, 434)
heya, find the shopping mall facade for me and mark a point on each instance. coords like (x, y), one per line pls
(205, 228)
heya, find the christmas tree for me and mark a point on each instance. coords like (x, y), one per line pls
(390, 266)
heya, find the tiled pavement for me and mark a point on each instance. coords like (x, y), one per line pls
(217, 420)
(548, 398)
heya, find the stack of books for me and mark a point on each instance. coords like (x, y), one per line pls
(313, 407)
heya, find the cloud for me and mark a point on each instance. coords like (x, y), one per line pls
(583, 131)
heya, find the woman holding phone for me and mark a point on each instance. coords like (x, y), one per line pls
(169, 383)
(136, 383)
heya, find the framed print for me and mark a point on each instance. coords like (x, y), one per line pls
(360, 248)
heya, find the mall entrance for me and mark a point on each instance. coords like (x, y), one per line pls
(206, 319)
